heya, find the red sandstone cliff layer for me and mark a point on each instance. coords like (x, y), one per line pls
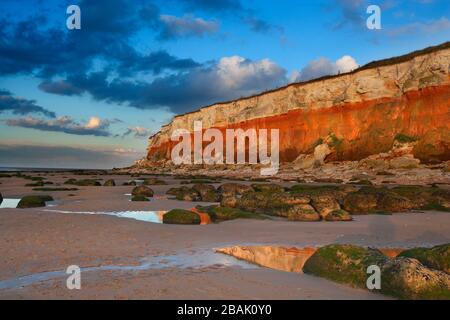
(365, 110)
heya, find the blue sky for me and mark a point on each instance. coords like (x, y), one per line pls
(91, 97)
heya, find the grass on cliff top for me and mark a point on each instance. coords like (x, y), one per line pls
(403, 138)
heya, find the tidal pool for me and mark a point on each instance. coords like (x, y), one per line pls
(9, 203)
(199, 259)
(147, 216)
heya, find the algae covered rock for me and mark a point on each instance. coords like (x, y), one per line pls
(109, 183)
(83, 182)
(153, 182)
(184, 194)
(179, 216)
(407, 278)
(301, 212)
(437, 257)
(207, 192)
(139, 198)
(269, 187)
(218, 213)
(33, 201)
(324, 204)
(142, 191)
(233, 189)
(229, 202)
(344, 263)
(359, 203)
(338, 215)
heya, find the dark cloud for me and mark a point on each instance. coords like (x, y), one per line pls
(229, 78)
(173, 27)
(21, 106)
(261, 26)
(95, 126)
(65, 157)
(60, 87)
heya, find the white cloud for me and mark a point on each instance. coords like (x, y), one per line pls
(324, 67)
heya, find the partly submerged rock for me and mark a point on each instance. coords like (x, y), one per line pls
(142, 191)
(34, 201)
(437, 257)
(407, 278)
(109, 183)
(179, 216)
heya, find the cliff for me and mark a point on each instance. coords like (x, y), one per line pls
(364, 111)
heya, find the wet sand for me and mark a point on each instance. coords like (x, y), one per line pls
(37, 240)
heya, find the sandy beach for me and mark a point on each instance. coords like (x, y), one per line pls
(183, 262)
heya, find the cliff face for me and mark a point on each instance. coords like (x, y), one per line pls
(364, 110)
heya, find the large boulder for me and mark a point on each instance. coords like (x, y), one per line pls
(229, 202)
(404, 162)
(142, 191)
(437, 257)
(35, 201)
(179, 216)
(344, 263)
(407, 278)
(207, 192)
(109, 183)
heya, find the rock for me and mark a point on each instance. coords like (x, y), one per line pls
(404, 162)
(300, 212)
(33, 201)
(179, 216)
(344, 263)
(321, 152)
(130, 183)
(359, 203)
(153, 181)
(324, 204)
(229, 202)
(139, 198)
(373, 199)
(84, 182)
(184, 194)
(391, 202)
(407, 278)
(268, 187)
(218, 214)
(437, 257)
(207, 192)
(109, 183)
(338, 215)
(142, 191)
(232, 189)
(290, 199)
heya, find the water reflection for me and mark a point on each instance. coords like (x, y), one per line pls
(147, 216)
(9, 203)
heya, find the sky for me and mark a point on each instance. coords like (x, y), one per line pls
(91, 97)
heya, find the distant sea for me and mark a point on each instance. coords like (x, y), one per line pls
(42, 169)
